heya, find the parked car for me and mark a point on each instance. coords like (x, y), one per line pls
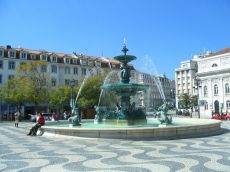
(226, 117)
(221, 117)
(216, 116)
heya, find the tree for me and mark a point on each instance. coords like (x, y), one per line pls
(60, 97)
(14, 92)
(185, 100)
(194, 100)
(36, 82)
(90, 92)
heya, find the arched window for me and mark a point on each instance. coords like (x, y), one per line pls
(215, 89)
(205, 91)
(227, 89)
(214, 65)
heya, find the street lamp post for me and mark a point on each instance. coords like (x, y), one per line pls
(197, 83)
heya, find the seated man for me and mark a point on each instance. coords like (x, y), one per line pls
(40, 122)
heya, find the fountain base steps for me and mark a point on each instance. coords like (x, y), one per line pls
(197, 128)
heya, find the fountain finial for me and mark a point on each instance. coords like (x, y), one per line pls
(125, 49)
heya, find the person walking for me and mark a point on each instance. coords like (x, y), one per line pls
(16, 118)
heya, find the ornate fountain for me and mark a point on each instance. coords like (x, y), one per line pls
(109, 123)
(126, 111)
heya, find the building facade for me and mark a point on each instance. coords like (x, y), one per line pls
(184, 78)
(63, 68)
(213, 79)
(60, 68)
(153, 98)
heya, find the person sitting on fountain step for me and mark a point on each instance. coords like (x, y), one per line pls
(40, 122)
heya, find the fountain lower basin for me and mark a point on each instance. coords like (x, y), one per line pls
(181, 128)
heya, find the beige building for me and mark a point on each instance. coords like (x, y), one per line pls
(60, 68)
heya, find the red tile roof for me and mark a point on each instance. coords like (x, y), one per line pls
(224, 51)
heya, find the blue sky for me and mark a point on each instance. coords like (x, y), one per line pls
(166, 31)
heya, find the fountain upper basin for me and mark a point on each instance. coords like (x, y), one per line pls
(128, 88)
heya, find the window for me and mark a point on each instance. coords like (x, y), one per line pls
(11, 65)
(11, 54)
(54, 69)
(53, 58)
(206, 106)
(227, 89)
(74, 61)
(1, 53)
(33, 56)
(228, 104)
(10, 77)
(83, 62)
(67, 70)
(214, 65)
(83, 71)
(53, 82)
(67, 82)
(44, 57)
(43, 68)
(0, 78)
(75, 70)
(67, 60)
(23, 55)
(205, 91)
(1, 64)
(98, 64)
(215, 90)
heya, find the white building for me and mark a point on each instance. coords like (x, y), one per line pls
(214, 83)
(184, 77)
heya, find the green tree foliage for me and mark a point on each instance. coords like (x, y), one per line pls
(194, 100)
(36, 81)
(185, 100)
(28, 85)
(90, 92)
(60, 97)
(14, 92)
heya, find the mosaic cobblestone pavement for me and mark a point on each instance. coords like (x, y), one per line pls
(22, 153)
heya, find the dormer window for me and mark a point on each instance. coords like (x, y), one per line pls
(90, 63)
(43, 57)
(74, 61)
(11, 54)
(83, 62)
(1, 53)
(54, 59)
(23, 55)
(67, 60)
(214, 65)
(33, 56)
(98, 64)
